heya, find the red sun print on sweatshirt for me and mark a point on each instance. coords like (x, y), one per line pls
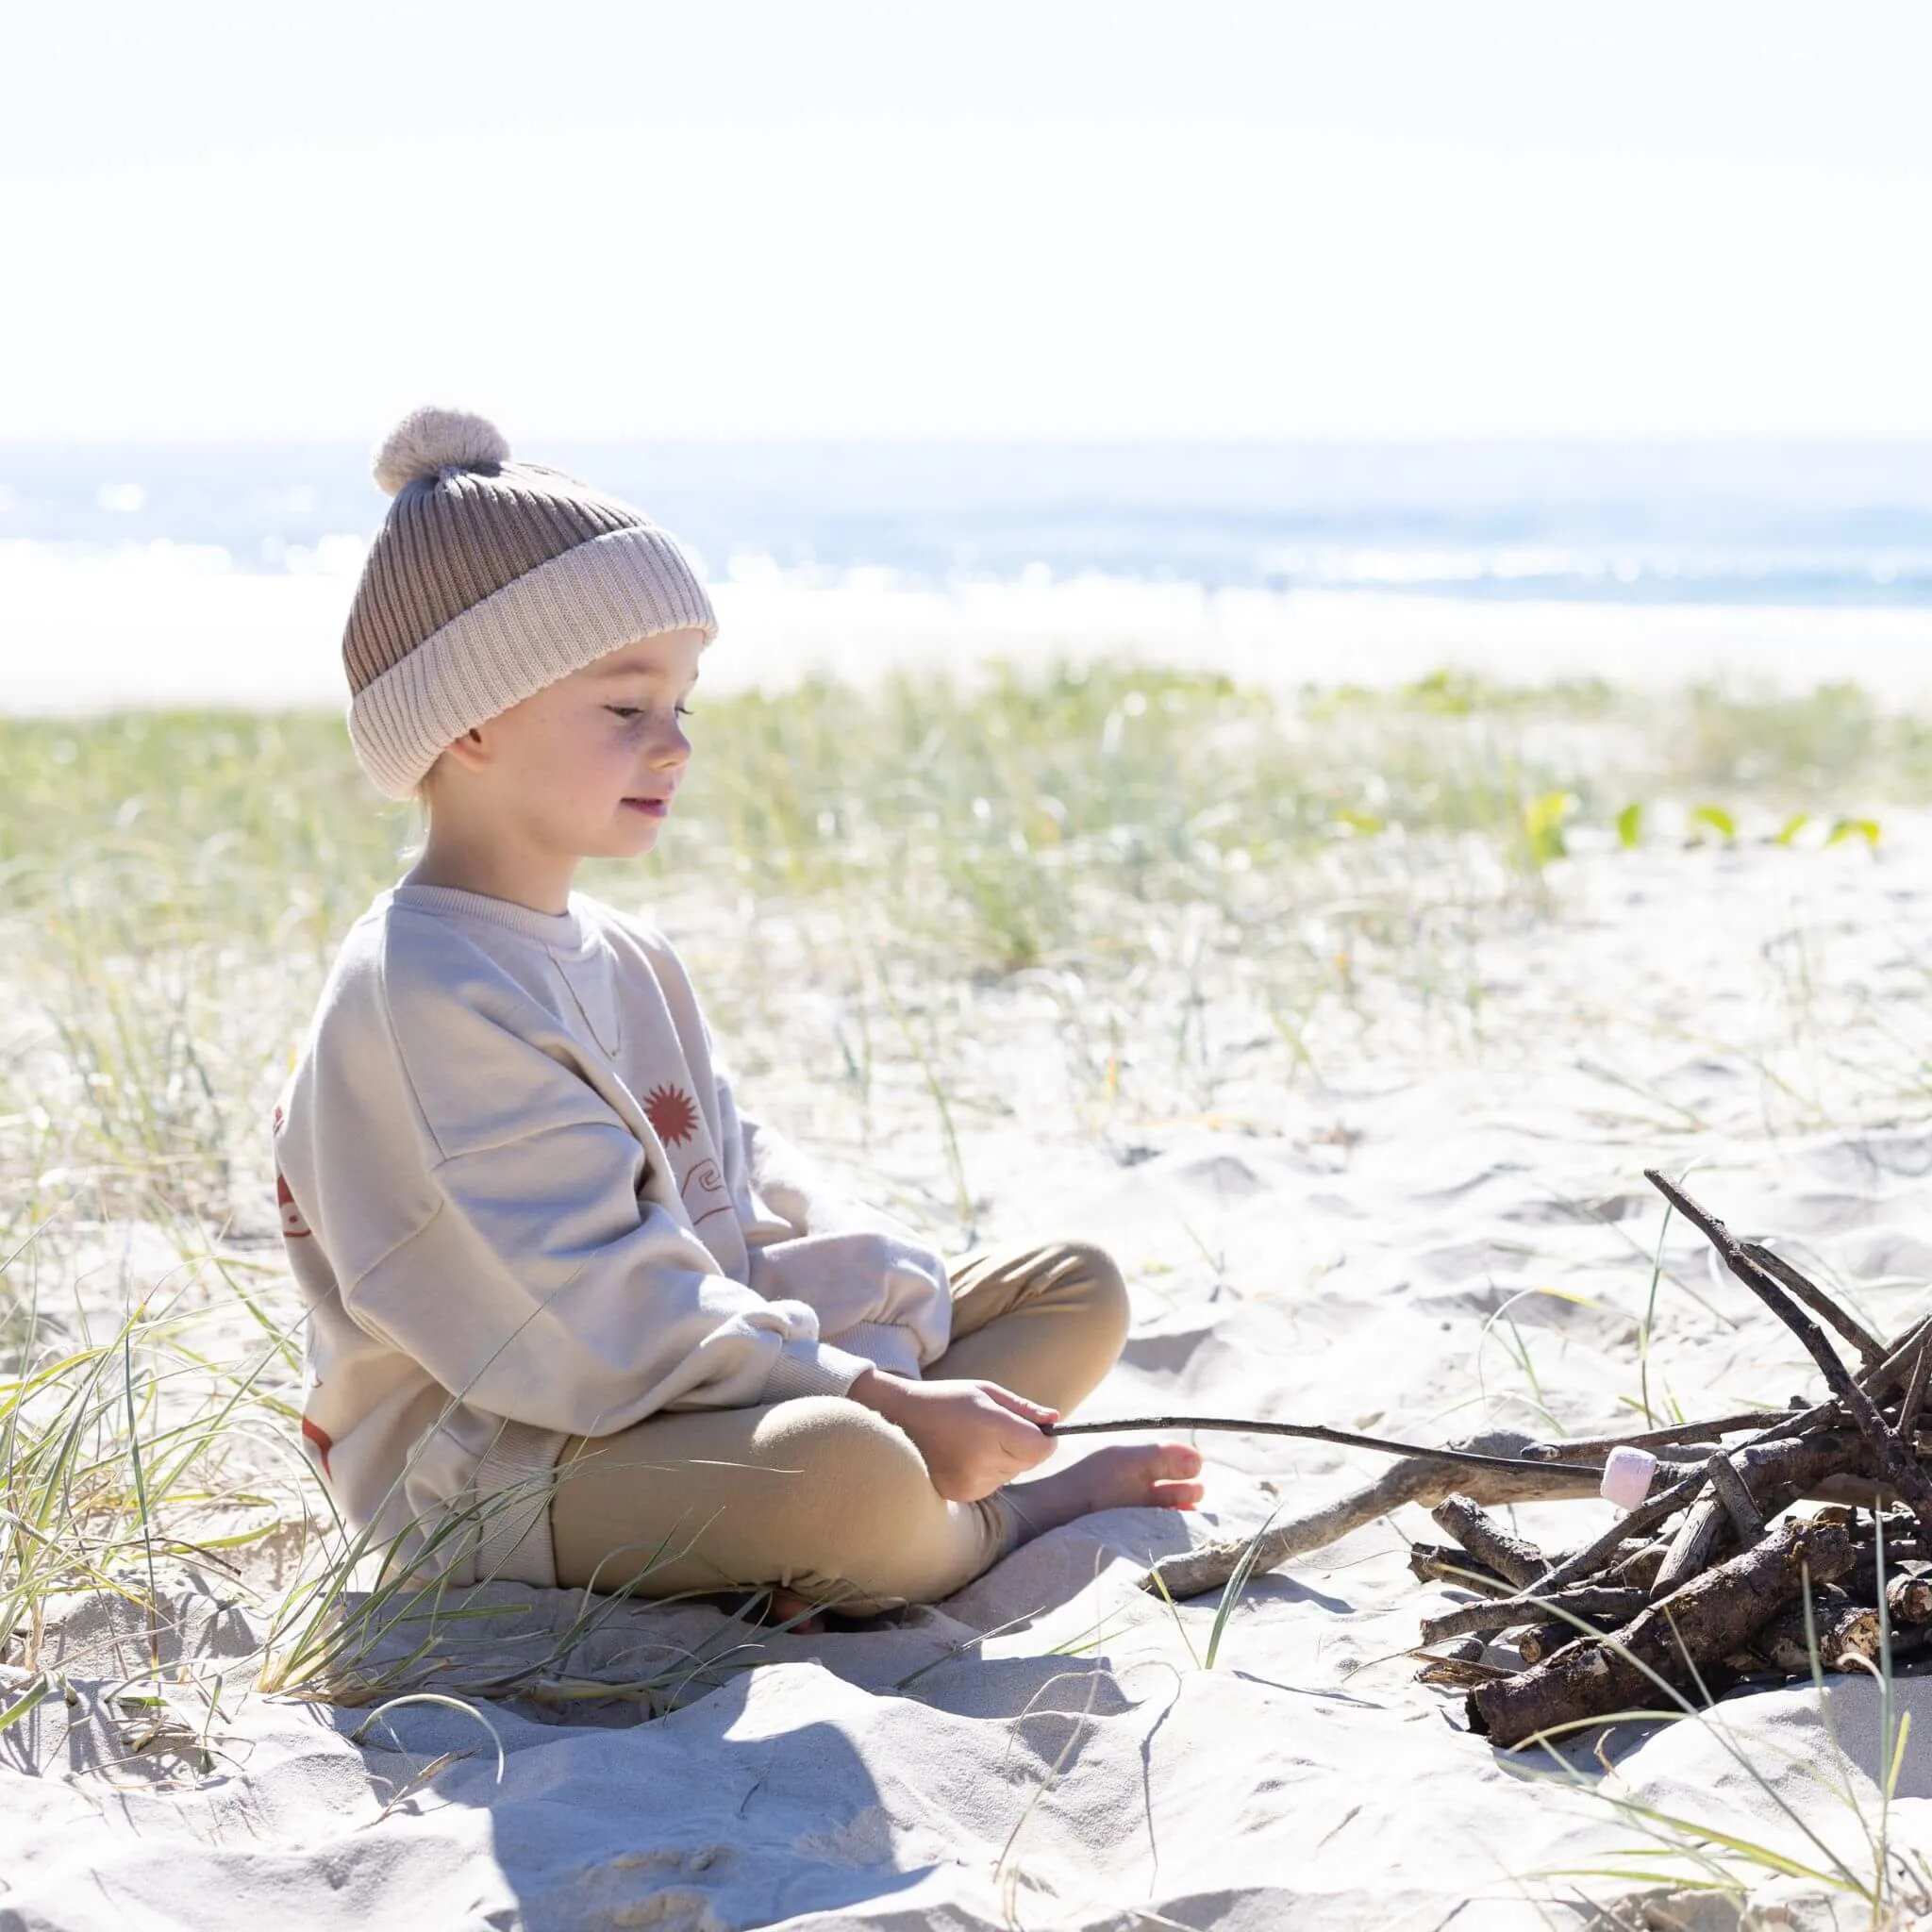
(671, 1111)
(293, 1227)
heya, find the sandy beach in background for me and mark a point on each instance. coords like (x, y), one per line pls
(163, 626)
(1438, 1225)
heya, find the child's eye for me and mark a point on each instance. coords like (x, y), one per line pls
(684, 711)
(622, 710)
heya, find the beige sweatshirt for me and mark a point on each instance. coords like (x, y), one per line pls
(523, 1204)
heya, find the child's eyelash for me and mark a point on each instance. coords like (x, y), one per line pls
(629, 711)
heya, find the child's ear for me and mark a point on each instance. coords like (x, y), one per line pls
(469, 750)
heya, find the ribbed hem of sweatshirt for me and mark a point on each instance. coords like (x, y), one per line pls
(810, 1368)
(512, 1489)
(552, 621)
(561, 932)
(885, 1344)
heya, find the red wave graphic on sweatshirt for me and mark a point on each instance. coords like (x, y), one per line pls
(324, 1442)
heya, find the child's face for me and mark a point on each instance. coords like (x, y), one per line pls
(589, 766)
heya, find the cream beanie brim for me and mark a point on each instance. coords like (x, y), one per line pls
(552, 621)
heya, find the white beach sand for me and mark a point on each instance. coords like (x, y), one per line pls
(1413, 1236)
(163, 625)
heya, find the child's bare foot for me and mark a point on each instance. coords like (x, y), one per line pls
(787, 1605)
(1127, 1475)
(771, 1606)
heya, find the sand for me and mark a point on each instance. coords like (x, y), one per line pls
(1415, 1237)
(163, 625)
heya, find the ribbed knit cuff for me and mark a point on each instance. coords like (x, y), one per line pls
(551, 621)
(810, 1368)
(512, 1489)
(885, 1344)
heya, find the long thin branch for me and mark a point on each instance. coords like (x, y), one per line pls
(1423, 1479)
(1901, 1469)
(1869, 1346)
(1914, 1400)
(1315, 1432)
(1684, 1435)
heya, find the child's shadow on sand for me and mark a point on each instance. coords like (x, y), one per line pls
(756, 1798)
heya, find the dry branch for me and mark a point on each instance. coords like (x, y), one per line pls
(1699, 1585)
(1908, 1599)
(1846, 1636)
(1597, 1603)
(1423, 1479)
(1435, 1563)
(1318, 1432)
(1700, 1625)
(1870, 1348)
(1772, 1475)
(1486, 1540)
(1895, 1460)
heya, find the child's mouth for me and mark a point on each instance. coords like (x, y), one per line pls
(649, 807)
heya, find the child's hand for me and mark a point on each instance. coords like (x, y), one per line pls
(975, 1437)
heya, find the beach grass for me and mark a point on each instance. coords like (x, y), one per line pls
(1197, 880)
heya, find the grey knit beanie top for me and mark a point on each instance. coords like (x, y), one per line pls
(490, 579)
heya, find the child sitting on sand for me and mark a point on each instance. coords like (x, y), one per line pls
(576, 1318)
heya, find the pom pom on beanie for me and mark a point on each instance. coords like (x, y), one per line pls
(429, 440)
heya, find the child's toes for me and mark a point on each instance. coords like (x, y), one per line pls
(1177, 1495)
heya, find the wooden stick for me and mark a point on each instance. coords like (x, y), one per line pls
(1315, 1432)
(1847, 1635)
(1772, 1475)
(1870, 1348)
(1460, 1673)
(1877, 1382)
(1706, 1621)
(1899, 1467)
(1914, 1397)
(1748, 1524)
(1543, 1639)
(1647, 1516)
(1684, 1435)
(1881, 1381)
(1908, 1599)
(1433, 1563)
(1639, 1568)
(1423, 1479)
(1613, 1605)
(1488, 1542)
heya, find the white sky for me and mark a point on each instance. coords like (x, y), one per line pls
(1010, 218)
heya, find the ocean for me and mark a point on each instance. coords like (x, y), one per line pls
(210, 573)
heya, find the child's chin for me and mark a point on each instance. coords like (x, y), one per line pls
(628, 841)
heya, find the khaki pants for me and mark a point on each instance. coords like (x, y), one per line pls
(821, 1495)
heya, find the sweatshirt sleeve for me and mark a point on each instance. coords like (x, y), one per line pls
(540, 1281)
(875, 1289)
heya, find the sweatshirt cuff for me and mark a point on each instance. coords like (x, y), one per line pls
(887, 1346)
(810, 1368)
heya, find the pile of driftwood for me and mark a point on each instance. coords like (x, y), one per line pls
(1706, 1582)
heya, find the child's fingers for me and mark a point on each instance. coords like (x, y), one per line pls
(1036, 1412)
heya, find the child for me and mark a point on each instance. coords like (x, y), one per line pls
(575, 1317)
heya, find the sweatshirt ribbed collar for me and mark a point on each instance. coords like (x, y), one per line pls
(564, 932)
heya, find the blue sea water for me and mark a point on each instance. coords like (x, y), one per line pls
(1792, 524)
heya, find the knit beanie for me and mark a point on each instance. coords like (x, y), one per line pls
(490, 579)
